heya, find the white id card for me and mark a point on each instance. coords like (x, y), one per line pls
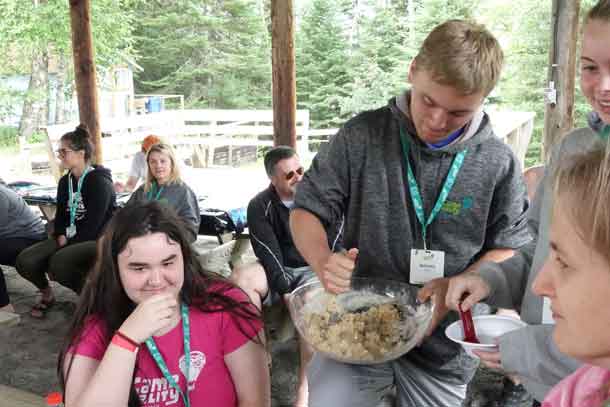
(547, 314)
(426, 265)
(71, 231)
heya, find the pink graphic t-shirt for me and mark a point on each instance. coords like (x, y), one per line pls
(213, 336)
(586, 387)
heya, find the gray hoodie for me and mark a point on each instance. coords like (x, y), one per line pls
(531, 352)
(362, 175)
(179, 197)
(17, 220)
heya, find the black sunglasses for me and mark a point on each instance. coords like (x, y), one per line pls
(290, 175)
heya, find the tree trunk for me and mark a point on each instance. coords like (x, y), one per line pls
(60, 91)
(84, 72)
(35, 98)
(411, 21)
(559, 116)
(284, 73)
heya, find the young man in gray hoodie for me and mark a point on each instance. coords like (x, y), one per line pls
(423, 174)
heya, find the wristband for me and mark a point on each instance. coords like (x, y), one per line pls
(123, 341)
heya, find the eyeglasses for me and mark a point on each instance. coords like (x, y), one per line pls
(63, 151)
(290, 175)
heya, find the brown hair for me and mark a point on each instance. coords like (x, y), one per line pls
(104, 297)
(462, 54)
(588, 175)
(80, 140)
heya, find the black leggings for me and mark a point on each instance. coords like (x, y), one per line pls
(68, 265)
(11, 247)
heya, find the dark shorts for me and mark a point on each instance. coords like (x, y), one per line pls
(301, 276)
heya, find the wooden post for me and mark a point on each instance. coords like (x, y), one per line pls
(84, 71)
(559, 116)
(284, 73)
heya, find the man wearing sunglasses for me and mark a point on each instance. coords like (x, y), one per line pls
(280, 268)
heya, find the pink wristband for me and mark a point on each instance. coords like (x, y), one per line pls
(123, 341)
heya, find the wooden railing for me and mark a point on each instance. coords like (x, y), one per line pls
(202, 131)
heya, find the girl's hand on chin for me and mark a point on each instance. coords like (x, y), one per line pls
(150, 316)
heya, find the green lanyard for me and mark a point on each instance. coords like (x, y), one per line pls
(604, 132)
(414, 189)
(154, 351)
(73, 197)
(150, 195)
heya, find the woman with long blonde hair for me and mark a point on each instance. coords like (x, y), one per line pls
(164, 184)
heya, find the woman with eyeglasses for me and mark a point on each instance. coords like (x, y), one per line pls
(85, 203)
(164, 184)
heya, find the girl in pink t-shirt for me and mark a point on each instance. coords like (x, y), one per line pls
(154, 329)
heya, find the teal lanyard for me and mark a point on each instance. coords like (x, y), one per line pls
(604, 132)
(154, 351)
(414, 189)
(151, 195)
(73, 197)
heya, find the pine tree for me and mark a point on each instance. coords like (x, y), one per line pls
(216, 52)
(322, 63)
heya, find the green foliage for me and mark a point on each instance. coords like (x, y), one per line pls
(8, 136)
(323, 76)
(214, 52)
(30, 26)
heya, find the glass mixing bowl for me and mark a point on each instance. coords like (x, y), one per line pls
(376, 321)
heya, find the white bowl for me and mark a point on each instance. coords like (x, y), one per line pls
(488, 329)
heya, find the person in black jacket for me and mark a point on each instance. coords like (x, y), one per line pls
(85, 202)
(280, 269)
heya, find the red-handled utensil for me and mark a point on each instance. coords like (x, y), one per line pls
(467, 324)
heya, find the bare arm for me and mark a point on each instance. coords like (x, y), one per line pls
(310, 238)
(333, 269)
(90, 379)
(131, 183)
(250, 373)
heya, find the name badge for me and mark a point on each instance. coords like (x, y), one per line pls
(547, 314)
(71, 231)
(426, 265)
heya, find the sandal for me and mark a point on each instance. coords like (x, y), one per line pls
(40, 309)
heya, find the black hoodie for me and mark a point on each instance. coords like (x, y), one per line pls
(95, 207)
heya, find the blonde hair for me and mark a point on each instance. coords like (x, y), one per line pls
(463, 55)
(583, 186)
(174, 176)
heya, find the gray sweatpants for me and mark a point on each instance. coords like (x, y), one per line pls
(338, 384)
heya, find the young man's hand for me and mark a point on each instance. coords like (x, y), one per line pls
(336, 272)
(437, 291)
(466, 283)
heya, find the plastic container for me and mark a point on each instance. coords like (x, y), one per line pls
(154, 104)
(377, 321)
(488, 329)
(54, 399)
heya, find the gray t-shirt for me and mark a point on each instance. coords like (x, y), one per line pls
(138, 166)
(181, 198)
(17, 220)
